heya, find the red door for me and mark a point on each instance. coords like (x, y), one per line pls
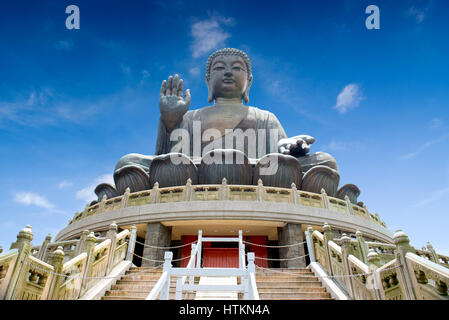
(220, 257)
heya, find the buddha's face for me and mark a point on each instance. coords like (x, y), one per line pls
(228, 77)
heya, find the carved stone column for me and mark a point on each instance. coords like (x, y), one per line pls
(157, 236)
(290, 234)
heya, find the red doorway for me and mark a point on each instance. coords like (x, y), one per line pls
(220, 258)
(226, 257)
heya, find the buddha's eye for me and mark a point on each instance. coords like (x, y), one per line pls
(237, 68)
(218, 68)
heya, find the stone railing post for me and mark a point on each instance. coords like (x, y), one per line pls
(309, 242)
(251, 270)
(373, 282)
(193, 257)
(125, 197)
(294, 193)
(325, 199)
(433, 254)
(89, 245)
(111, 234)
(345, 252)
(165, 291)
(200, 247)
(363, 247)
(223, 189)
(327, 232)
(349, 205)
(102, 204)
(56, 261)
(132, 243)
(18, 277)
(155, 193)
(407, 278)
(260, 190)
(80, 245)
(43, 248)
(189, 190)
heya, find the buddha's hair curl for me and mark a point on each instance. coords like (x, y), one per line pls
(228, 52)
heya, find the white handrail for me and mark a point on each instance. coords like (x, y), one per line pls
(248, 284)
(157, 287)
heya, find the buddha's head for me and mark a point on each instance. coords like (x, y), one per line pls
(228, 75)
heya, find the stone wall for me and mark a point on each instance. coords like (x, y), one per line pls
(159, 236)
(291, 233)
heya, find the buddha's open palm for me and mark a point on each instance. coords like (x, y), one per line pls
(296, 146)
(172, 105)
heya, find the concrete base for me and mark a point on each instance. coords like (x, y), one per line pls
(291, 233)
(98, 291)
(159, 236)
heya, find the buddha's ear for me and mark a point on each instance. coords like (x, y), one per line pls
(210, 95)
(246, 93)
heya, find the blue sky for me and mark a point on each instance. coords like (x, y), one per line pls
(72, 102)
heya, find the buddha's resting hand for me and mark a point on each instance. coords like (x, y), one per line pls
(296, 146)
(172, 105)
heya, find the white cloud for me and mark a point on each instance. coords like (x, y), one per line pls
(33, 199)
(65, 184)
(209, 35)
(432, 198)
(423, 147)
(349, 98)
(419, 14)
(87, 194)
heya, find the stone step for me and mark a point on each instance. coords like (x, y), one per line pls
(296, 295)
(271, 284)
(142, 282)
(286, 271)
(128, 293)
(286, 279)
(149, 272)
(291, 289)
(146, 268)
(140, 277)
(295, 299)
(171, 296)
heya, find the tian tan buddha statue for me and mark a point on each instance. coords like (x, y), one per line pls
(226, 140)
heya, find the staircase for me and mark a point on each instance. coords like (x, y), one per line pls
(291, 284)
(137, 283)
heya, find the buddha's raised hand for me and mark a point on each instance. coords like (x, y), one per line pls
(172, 105)
(296, 146)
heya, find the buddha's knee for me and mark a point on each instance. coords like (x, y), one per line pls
(172, 169)
(225, 163)
(317, 159)
(131, 172)
(134, 159)
(278, 170)
(320, 172)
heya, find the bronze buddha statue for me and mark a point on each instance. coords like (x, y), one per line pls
(202, 139)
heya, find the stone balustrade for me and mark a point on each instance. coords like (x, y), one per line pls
(225, 191)
(24, 276)
(407, 276)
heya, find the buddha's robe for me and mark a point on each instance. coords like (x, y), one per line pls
(267, 132)
(226, 120)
